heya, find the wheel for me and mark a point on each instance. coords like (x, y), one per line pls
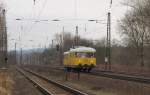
(84, 69)
(89, 70)
(68, 69)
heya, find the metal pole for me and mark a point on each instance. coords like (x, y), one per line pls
(52, 43)
(109, 17)
(21, 56)
(4, 38)
(108, 45)
(61, 48)
(106, 50)
(15, 54)
(76, 40)
(63, 38)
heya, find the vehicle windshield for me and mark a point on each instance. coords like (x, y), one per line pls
(85, 55)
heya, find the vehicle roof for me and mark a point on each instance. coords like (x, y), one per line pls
(81, 49)
(66, 53)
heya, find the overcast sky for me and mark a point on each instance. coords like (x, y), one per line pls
(69, 12)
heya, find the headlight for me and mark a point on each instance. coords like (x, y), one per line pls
(91, 61)
(79, 61)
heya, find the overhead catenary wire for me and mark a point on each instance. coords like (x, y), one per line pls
(33, 19)
(40, 13)
(75, 9)
(23, 29)
(42, 22)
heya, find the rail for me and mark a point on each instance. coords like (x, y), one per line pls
(67, 88)
(40, 87)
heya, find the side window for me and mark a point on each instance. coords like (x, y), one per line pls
(76, 54)
(70, 54)
(94, 54)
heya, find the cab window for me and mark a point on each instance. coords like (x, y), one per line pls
(85, 54)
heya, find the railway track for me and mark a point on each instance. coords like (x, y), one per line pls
(120, 76)
(113, 75)
(47, 86)
(126, 77)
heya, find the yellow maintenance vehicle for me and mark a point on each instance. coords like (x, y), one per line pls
(80, 58)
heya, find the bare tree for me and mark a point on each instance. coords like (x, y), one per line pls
(135, 26)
